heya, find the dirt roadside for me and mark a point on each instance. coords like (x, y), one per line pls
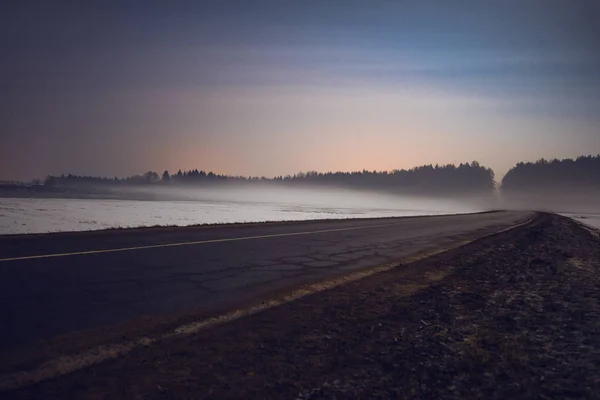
(516, 315)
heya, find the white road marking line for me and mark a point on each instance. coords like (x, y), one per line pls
(156, 246)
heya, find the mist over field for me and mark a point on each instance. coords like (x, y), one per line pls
(74, 203)
(188, 206)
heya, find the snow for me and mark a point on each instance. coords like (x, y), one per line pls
(38, 215)
(592, 220)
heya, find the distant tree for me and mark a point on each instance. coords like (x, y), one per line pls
(166, 177)
(151, 177)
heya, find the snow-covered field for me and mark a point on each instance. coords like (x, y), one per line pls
(18, 215)
(592, 220)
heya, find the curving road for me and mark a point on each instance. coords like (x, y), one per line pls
(59, 283)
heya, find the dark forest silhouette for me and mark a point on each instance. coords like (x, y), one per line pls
(559, 175)
(545, 180)
(464, 178)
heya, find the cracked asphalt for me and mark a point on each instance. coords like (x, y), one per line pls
(45, 297)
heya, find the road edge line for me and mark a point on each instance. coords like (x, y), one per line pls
(194, 243)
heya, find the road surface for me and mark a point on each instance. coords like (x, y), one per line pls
(59, 283)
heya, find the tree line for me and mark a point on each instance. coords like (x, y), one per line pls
(563, 174)
(582, 172)
(466, 177)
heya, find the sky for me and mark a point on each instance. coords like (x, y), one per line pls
(116, 88)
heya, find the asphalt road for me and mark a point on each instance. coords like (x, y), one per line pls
(59, 283)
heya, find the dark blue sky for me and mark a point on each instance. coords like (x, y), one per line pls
(275, 87)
